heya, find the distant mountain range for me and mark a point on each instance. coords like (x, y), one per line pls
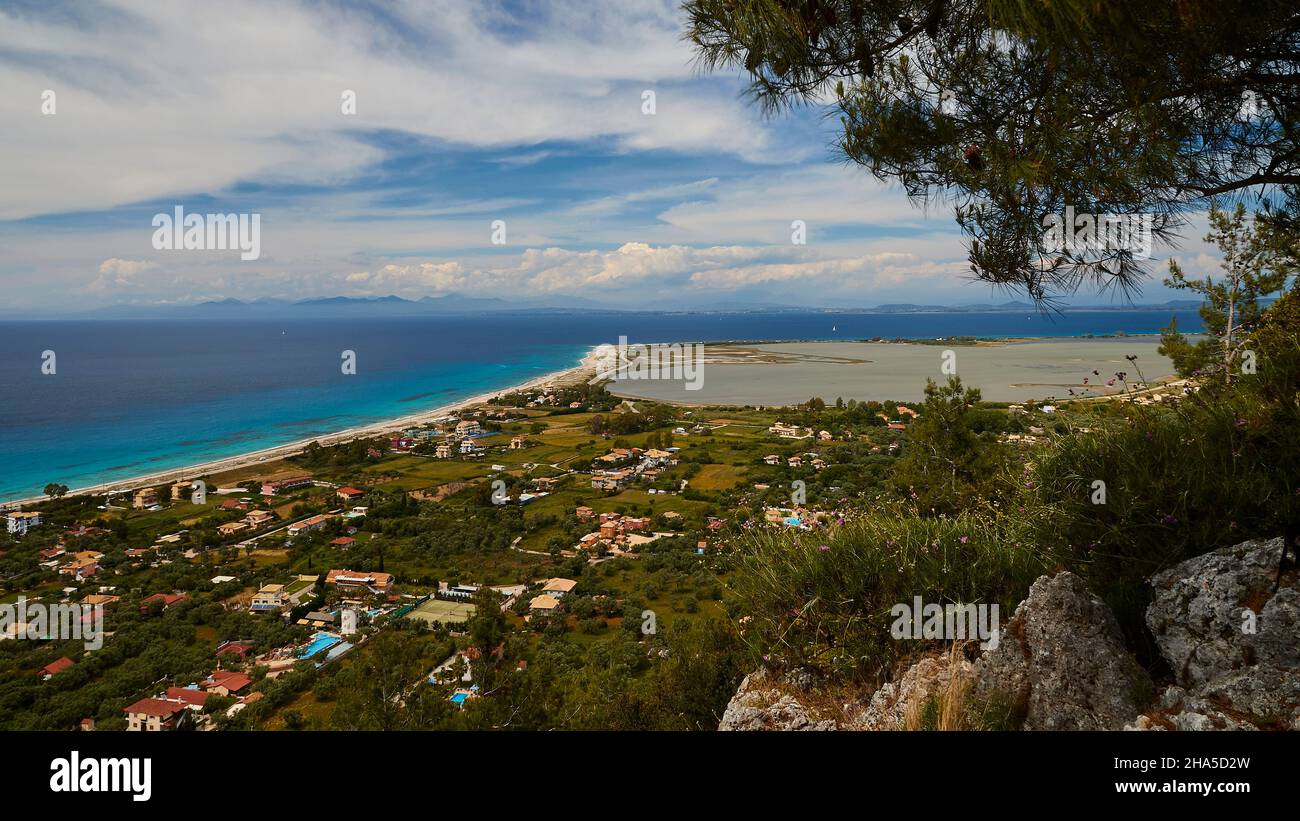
(394, 306)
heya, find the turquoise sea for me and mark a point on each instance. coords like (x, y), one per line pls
(133, 397)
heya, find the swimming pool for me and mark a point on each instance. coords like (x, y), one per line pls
(319, 642)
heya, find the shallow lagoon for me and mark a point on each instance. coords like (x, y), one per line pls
(1013, 371)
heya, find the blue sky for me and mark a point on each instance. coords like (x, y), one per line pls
(466, 113)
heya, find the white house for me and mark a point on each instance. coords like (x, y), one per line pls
(20, 523)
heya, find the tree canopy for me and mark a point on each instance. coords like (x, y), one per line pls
(1013, 111)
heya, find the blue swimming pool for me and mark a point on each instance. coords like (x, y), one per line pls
(459, 698)
(319, 642)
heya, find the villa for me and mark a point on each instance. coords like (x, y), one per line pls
(611, 479)
(790, 431)
(257, 518)
(350, 494)
(154, 715)
(145, 498)
(543, 604)
(227, 683)
(55, 667)
(276, 488)
(308, 525)
(20, 523)
(84, 564)
(558, 588)
(376, 582)
(231, 528)
(167, 599)
(657, 458)
(270, 599)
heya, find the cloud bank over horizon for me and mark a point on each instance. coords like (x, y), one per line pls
(529, 116)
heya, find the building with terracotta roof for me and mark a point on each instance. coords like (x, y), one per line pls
(274, 488)
(381, 584)
(227, 683)
(154, 715)
(308, 525)
(167, 599)
(55, 667)
(543, 604)
(192, 698)
(559, 587)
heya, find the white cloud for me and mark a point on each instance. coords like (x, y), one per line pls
(118, 275)
(638, 270)
(125, 267)
(161, 99)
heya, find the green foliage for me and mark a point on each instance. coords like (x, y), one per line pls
(1253, 267)
(1220, 466)
(1013, 110)
(946, 465)
(822, 602)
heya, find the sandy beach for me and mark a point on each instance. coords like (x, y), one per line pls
(774, 374)
(568, 376)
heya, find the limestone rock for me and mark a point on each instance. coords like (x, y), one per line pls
(1233, 644)
(1198, 613)
(923, 681)
(1062, 659)
(761, 705)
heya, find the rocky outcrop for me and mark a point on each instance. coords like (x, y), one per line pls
(1061, 659)
(889, 707)
(762, 704)
(1232, 643)
(1061, 663)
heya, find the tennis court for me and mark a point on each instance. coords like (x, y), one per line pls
(446, 612)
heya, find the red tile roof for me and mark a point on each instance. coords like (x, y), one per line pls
(57, 666)
(155, 707)
(168, 599)
(232, 681)
(192, 697)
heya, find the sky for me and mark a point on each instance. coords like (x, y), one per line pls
(467, 115)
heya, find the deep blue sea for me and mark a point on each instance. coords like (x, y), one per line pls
(133, 397)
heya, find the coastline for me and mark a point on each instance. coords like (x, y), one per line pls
(579, 372)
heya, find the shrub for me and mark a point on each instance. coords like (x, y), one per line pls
(822, 601)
